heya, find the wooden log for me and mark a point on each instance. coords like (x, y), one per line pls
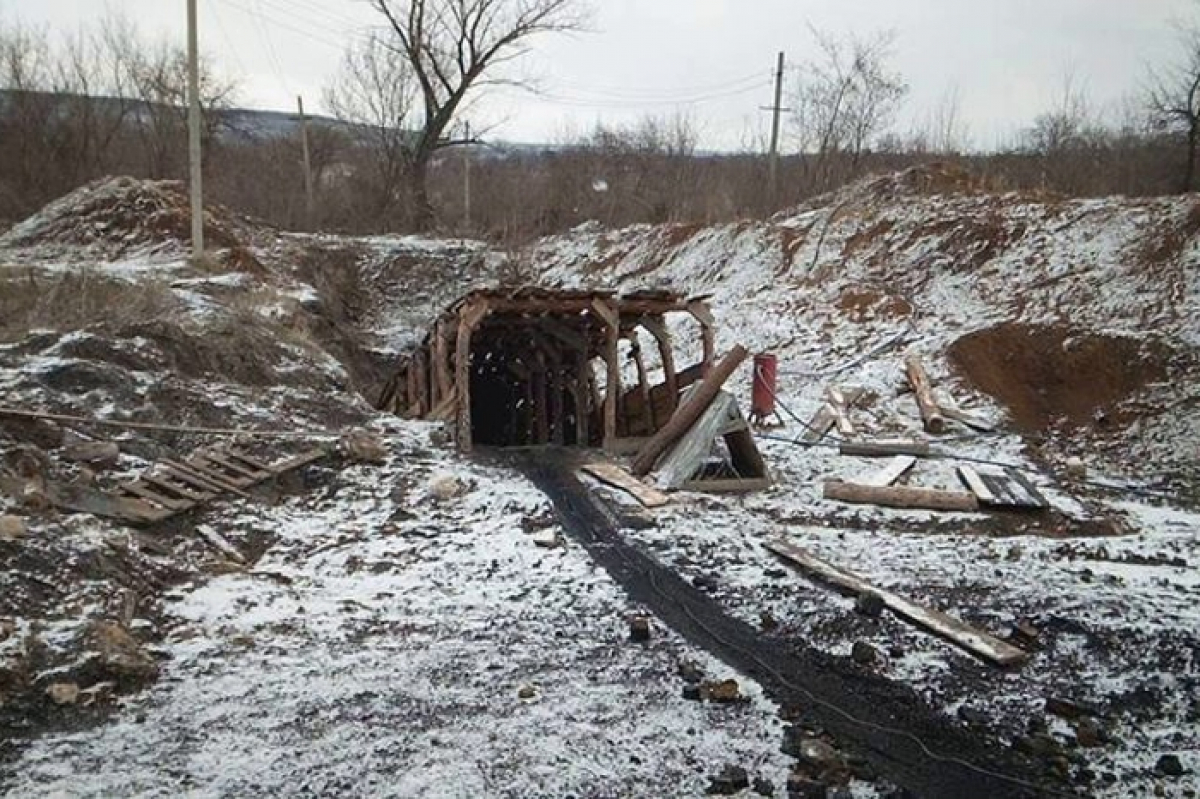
(884, 448)
(931, 412)
(973, 640)
(689, 411)
(892, 472)
(617, 477)
(612, 334)
(900, 496)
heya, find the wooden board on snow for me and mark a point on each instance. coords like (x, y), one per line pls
(977, 642)
(615, 476)
(889, 474)
(1009, 489)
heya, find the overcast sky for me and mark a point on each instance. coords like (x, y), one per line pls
(1006, 59)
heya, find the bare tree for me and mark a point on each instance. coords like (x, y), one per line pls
(450, 46)
(1174, 98)
(845, 100)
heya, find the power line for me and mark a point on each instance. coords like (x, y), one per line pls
(583, 102)
(654, 94)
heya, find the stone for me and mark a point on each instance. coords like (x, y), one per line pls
(800, 786)
(864, 654)
(763, 787)
(100, 454)
(723, 692)
(445, 487)
(766, 622)
(1076, 468)
(869, 604)
(729, 781)
(819, 754)
(12, 528)
(1065, 708)
(639, 629)
(526, 692)
(120, 656)
(692, 693)
(1089, 734)
(98, 694)
(364, 447)
(691, 672)
(1169, 766)
(1025, 635)
(63, 693)
(546, 539)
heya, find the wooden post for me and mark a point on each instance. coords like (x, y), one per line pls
(935, 422)
(689, 411)
(423, 404)
(541, 410)
(703, 315)
(583, 397)
(658, 328)
(643, 384)
(556, 388)
(612, 334)
(441, 360)
(468, 317)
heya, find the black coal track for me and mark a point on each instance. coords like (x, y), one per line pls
(793, 674)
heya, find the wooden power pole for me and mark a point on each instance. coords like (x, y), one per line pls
(776, 113)
(196, 173)
(309, 198)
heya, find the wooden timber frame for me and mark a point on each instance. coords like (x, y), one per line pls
(519, 367)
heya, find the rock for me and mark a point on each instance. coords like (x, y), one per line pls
(766, 622)
(1089, 734)
(1076, 468)
(864, 654)
(1065, 708)
(12, 528)
(101, 454)
(763, 787)
(7, 628)
(869, 604)
(820, 755)
(895, 652)
(973, 716)
(546, 539)
(1015, 553)
(800, 786)
(63, 693)
(1169, 766)
(723, 692)
(445, 487)
(1038, 744)
(364, 447)
(692, 693)
(120, 656)
(691, 672)
(526, 692)
(639, 629)
(731, 780)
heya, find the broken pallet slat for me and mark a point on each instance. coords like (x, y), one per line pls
(301, 460)
(900, 496)
(183, 491)
(146, 492)
(205, 478)
(617, 477)
(977, 642)
(235, 469)
(839, 403)
(247, 459)
(889, 474)
(1016, 491)
(973, 481)
(833, 413)
(207, 468)
(100, 503)
(968, 419)
(218, 542)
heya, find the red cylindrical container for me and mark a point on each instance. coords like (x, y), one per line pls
(762, 402)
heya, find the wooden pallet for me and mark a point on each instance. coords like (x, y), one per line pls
(1009, 489)
(172, 487)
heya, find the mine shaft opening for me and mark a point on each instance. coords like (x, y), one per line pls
(541, 367)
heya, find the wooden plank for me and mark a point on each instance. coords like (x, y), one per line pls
(184, 491)
(143, 491)
(972, 480)
(185, 475)
(249, 473)
(214, 480)
(617, 477)
(884, 448)
(299, 461)
(249, 460)
(733, 485)
(1039, 500)
(820, 424)
(838, 403)
(889, 474)
(900, 496)
(973, 640)
(99, 503)
(951, 411)
(216, 472)
(218, 542)
(931, 413)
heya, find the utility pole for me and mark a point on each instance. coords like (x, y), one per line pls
(196, 173)
(776, 113)
(309, 200)
(467, 177)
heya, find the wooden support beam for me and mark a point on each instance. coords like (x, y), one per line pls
(931, 413)
(441, 362)
(541, 401)
(572, 339)
(689, 411)
(657, 327)
(900, 496)
(468, 317)
(643, 385)
(583, 399)
(973, 640)
(702, 314)
(612, 396)
(556, 387)
(421, 367)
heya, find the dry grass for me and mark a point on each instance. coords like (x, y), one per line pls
(76, 300)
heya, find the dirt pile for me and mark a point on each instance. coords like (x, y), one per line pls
(122, 214)
(1048, 376)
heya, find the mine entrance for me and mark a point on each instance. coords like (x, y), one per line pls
(537, 367)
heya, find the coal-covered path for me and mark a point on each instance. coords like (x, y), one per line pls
(904, 741)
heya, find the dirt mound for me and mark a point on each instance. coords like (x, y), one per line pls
(1051, 376)
(122, 214)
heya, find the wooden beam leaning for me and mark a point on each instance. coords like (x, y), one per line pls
(689, 411)
(612, 334)
(977, 642)
(469, 316)
(702, 314)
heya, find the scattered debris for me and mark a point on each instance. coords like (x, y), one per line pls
(864, 654)
(547, 539)
(931, 412)
(639, 629)
(526, 692)
(895, 469)
(101, 454)
(364, 447)
(723, 692)
(1007, 489)
(213, 538)
(730, 780)
(687, 464)
(975, 641)
(833, 412)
